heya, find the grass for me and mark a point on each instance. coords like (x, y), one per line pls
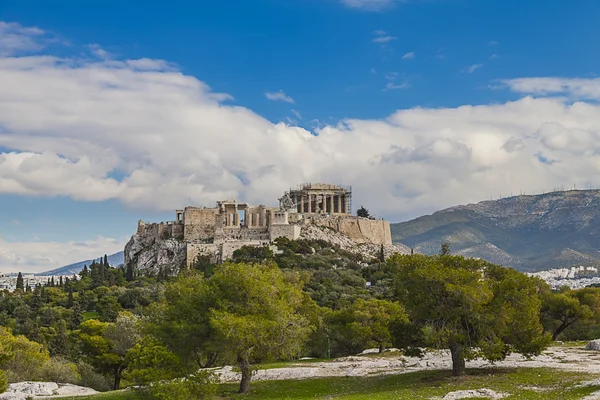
(519, 382)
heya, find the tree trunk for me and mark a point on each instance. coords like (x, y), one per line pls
(381, 348)
(246, 369)
(561, 328)
(117, 384)
(458, 361)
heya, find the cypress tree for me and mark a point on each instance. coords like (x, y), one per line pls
(60, 281)
(20, 282)
(106, 261)
(129, 275)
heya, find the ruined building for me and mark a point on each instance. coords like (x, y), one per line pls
(219, 231)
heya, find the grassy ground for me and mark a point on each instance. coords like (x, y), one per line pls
(520, 383)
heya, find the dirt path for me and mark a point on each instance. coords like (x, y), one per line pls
(566, 358)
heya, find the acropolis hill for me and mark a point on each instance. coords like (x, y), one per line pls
(219, 231)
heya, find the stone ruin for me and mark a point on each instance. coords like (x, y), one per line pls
(219, 231)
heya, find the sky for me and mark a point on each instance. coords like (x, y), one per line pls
(118, 111)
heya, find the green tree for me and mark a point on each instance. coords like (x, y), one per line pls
(568, 307)
(20, 284)
(246, 312)
(363, 212)
(469, 306)
(445, 249)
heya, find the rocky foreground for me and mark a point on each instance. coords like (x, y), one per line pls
(44, 390)
(392, 362)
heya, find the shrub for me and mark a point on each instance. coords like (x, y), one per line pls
(92, 379)
(197, 386)
(60, 370)
(3, 381)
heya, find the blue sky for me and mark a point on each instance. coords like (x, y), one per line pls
(117, 111)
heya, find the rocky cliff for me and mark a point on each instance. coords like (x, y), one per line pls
(530, 233)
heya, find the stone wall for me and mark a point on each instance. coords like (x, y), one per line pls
(160, 231)
(360, 230)
(291, 232)
(199, 224)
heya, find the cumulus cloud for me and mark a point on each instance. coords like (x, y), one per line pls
(15, 38)
(35, 257)
(368, 5)
(279, 96)
(144, 133)
(579, 88)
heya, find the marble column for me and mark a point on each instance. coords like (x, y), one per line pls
(339, 204)
(310, 203)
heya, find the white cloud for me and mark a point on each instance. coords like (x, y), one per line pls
(384, 39)
(368, 5)
(472, 68)
(75, 124)
(395, 86)
(15, 38)
(279, 96)
(578, 88)
(32, 257)
(409, 56)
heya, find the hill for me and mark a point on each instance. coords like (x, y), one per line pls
(530, 233)
(114, 260)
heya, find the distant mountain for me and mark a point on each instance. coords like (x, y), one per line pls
(529, 233)
(114, 260)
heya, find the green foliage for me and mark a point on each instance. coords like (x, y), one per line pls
(571, 314)
(363, 212)
(471, 307)
(92, 379)
(20, 285)
(3, 381)
(199, 385)
(60, 370)
(22, 359)
(252, 254)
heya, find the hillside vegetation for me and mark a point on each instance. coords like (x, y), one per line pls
(529, 233)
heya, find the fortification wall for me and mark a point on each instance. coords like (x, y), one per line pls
(160, 231)
(291, 232)
(199, 223)
(360, 230)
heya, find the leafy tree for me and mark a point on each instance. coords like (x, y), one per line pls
(25, 358)
(20, 284)
(568, 307)
(363, 212)
(105, 345)
(242, 313)
(366, 323)
(252, 254)
(469, 306)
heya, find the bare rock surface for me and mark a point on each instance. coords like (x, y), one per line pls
(593, 345)
(314, 232)
(146, 253)
(478, 393)
(43, 390)
(560, 358)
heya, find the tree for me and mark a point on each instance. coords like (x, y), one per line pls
(444, 249)
(567, 307)
(469, 306)
(366, 323)
(20, 284)
(129, 274)
(242, 313)
(256, 314)
(363, 212)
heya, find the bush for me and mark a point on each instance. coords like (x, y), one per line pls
(92, 379)
(3, 381)
(60, 370)
(197, 386)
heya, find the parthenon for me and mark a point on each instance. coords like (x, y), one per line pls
(320, 198)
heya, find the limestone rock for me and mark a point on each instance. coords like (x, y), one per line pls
(593, 345)
(43, 390)
(315, 232)
(151, 255)
(477, 393)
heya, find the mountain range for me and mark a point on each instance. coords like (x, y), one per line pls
(114, 260)
(529, 233)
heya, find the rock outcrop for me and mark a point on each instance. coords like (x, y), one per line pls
(153, 255)
(44, 390)
(593, 345)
